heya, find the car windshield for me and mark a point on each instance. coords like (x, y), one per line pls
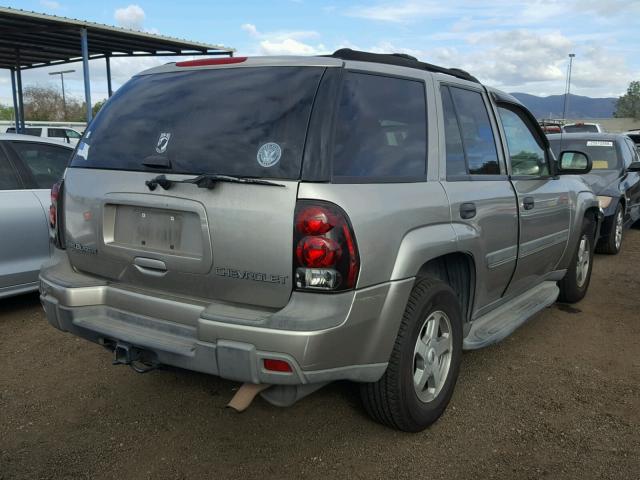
(579, 128)
(249, 121)
(603, 153)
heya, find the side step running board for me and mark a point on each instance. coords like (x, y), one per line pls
(501, 322)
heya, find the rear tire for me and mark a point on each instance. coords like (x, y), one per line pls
(613, 243)
(574, 285)
(424, 363)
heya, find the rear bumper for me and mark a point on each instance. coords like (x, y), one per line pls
(323, 337)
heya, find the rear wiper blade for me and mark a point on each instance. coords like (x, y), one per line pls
(207, 180)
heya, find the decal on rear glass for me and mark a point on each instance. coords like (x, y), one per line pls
(163, 142)
(269, 154)
(83, 150)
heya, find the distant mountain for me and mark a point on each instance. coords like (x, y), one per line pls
(579, 106)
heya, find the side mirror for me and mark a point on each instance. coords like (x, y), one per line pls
(634, 167)
(574, 163)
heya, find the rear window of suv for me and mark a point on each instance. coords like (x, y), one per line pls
(381, 129)
(236, 121)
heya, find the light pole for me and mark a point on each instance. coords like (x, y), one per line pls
(64, 100)
(567, 87)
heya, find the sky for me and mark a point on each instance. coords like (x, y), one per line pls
(517, 46)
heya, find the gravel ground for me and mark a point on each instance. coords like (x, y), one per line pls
(560, 398)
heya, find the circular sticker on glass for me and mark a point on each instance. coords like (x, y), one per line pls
(269, 154)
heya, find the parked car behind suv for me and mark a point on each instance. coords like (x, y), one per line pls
(582, 127)
(615, 178)
(298, 220)
(59, 134)
(29, 166)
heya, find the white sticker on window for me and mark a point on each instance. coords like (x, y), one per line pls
(83, 150)
(269, 154)
(599, 143)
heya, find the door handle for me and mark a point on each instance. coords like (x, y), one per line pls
(467, 210)
(528, 203)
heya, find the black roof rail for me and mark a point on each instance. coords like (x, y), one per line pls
(401, 60)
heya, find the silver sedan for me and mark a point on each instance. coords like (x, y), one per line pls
(29, 166)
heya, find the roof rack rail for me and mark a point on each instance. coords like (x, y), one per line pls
(401, 60)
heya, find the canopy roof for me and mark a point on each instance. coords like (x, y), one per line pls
(32, 40)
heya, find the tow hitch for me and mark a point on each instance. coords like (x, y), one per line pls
(141, 361)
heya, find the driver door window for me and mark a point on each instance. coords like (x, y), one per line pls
(527, 155)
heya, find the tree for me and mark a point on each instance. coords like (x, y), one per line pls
(97, 106)
(45, 104)
(628, 105)
(6, 112)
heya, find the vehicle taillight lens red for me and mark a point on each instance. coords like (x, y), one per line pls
(326, 253)
(55, 193)
(277, 365)
(203, 62)
(318, 252)
(315, 221)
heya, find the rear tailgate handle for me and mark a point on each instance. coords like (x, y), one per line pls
(467, 210)
(150, 266)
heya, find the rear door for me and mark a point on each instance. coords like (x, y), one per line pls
(543, 201)
(233, 242)
(483, 202)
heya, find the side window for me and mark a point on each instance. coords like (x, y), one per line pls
(381, 128)
(527, 156)
(456, 162)
(473, 131)
(8, 176)
(56, 132)
(45, 162)
(72, 133)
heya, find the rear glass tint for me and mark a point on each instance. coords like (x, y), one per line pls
(381, 128)
(235, 121)
(603, 153)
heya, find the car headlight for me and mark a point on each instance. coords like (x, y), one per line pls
(604, 202)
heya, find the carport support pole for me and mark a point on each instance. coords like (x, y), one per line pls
(85, 71)
(109, 89)
(20, 101)
(16, 113)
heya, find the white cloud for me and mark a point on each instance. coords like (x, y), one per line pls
(283, 42)
(131, 16)
(403, 11)
(50, 4)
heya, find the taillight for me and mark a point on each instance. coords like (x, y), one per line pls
(55, 214)
(326, 254)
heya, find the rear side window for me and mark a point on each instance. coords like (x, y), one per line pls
(470, 144)
(249, 121)
(8, 176)
(45, 162)
(381, 128)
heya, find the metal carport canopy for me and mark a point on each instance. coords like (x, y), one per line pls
(32, 40)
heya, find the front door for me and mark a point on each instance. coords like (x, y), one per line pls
(543, 202)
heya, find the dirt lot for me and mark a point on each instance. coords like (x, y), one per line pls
(559, 399)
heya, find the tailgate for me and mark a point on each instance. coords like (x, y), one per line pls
(231, 243)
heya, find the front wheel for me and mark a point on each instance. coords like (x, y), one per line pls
(574, 285)
(424, 363)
